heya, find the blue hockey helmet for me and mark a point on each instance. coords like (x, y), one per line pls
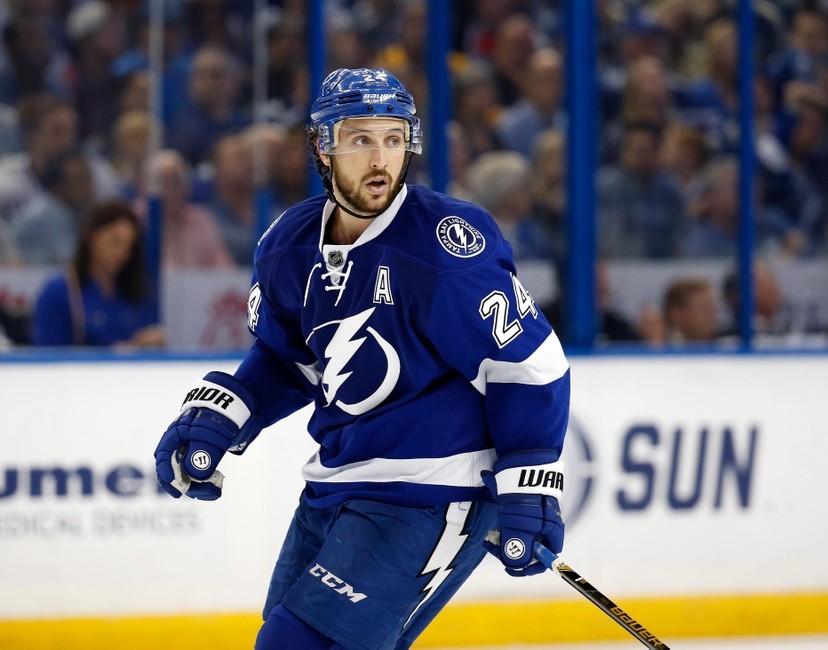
(363, 92)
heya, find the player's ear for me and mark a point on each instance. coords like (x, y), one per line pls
(326, 159)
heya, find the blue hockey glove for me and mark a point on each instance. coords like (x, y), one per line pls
(217, 416)
(527, 487)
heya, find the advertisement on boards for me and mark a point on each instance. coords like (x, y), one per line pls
(684, 475)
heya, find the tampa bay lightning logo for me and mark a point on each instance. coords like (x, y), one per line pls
(580, 468)
(362, 386)
(459, 237)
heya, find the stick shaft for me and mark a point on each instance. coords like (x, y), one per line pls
(552, 561)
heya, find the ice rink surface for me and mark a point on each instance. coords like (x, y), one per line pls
(737, 643)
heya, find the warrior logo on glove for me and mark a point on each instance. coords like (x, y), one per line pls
(514, 549)
(210, 394)
(201, 460)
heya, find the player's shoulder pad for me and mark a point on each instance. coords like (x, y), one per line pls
(452, 233)
(296, 226)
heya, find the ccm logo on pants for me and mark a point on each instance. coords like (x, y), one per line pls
(337, 584)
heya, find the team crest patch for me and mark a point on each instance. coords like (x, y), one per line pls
(460, 238)
(335, 259)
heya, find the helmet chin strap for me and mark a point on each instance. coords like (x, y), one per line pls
(327, 182)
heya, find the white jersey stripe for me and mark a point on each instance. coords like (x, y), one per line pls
(543, 366)
(460, 470)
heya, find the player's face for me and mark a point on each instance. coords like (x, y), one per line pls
(368, 163)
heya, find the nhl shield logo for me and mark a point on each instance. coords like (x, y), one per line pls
(459, 237)
(335, 259)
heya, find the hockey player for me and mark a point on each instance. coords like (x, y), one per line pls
(441, 394)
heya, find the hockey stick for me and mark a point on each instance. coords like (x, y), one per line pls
(552, 561)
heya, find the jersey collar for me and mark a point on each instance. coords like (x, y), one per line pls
(377, 225)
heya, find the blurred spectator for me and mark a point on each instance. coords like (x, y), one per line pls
(499, 182)
(226, 24)
(635, 35)
(711, 100)
(691, 314)
(677, 21)
(611, 325)
(97, 37)
(233, 201)
(213, 111)
(267, 143)
(539, 106)
(514, 44)
(288, 77)
(715, 233)
(45, 229)
(478, 30)
(806, 139)
(36, 63)
(548, 188)
(476, 108)
(805, 58)
(405, 56)
(50, 128)
(349, 45)
(190, 234)
(10, 140)
(129, 151)
(771, 125)
(775, 322)
(641, 211)
(176, 57)
(770, 316)
(647, 97)
(291, 172)
(684, 154)
(459, 160)
(103, 298)
(134, 92)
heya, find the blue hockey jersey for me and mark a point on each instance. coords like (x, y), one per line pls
(425, 357)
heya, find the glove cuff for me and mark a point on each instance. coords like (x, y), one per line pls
(527, 473)
(223, 394)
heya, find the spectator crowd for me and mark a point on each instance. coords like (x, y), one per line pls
(76, 126)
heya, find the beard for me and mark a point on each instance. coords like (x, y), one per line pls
(356, 198)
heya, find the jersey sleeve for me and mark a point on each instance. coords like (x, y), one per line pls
(485, 324)
(279, 369)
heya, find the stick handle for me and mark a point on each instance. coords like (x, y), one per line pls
(554, 562)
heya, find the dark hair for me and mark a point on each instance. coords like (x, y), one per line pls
(312, 138)
(132, 280)
(680, 291)
(642, 126)
(54, 172)
(33, 109)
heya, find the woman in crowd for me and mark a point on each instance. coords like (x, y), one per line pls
(103, 298)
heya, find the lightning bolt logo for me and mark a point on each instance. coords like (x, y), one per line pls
(459, 237)
(341, 349)
(441, 562)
